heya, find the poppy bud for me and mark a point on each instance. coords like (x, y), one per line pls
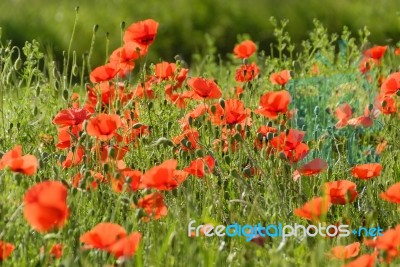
(112, 152)
(106, 167)
(95, 28)
(163, 141)
(260, 136)
(37, 90)
(190, 121)
(238, 137)
(270, 136)
(35, 111)
(122, 25)
(199, 153)
(282, 155)
(221, 103)
(398, 93)
(316, 110)
(65, 95)
(77, 9)
(235, 174)
(140, 214)
(269, 124)
(18, 63)
(238, 127)
(137, 125)
(227, 159)
(18, 178)
(286, 131)
(150, 105)
(213, 109)
(183, 153)
(384, 103)
(188, 144)
(75, 70)
(370, 107)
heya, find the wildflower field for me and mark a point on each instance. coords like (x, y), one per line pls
(107, 165)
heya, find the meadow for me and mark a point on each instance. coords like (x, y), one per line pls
(107, 164)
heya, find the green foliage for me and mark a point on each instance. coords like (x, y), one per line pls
(34, 87)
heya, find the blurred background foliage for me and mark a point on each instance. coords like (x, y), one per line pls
(184, 24)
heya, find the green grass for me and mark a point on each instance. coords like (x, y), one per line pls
(33, 94)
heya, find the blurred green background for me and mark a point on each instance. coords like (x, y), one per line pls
(183, 23)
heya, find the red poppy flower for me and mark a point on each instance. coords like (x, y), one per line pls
(367, 260)
(56, 251)
(123, 57)
(103, 235)
(188, 139)
(162, 177)
(143, 32)
(346, 252)
(314, 209)
(201, 166)
(365, 121)
(245, 49)
(233, 112)
(376, 52)
(153, 205)
(391, 84)
(280, 78)
(246, 73)
(165, 70)
(274, 103)
(46, 206)
(397, 51)
(297, 154)
(13, 159)
(386, 104)
(388, 243)
(5, 250)
(204, 88)
(71, 116)
(103, 73)
(288, 141)
(366, 171)
(343, 113)
(313, 167)
(74, 158)
(103, 126)
(65, 134)
(392, 194)
(126, 246)
(193, 114)
(341, 192)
